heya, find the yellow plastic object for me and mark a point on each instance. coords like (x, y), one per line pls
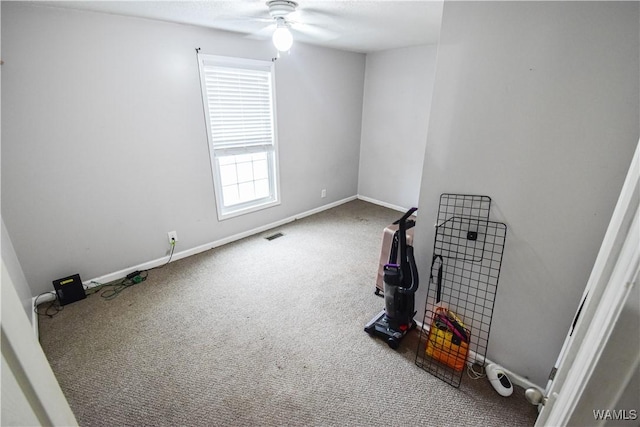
(441, 347)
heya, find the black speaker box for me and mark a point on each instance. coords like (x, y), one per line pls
(69, 289)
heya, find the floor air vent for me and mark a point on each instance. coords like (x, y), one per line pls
(274, 236)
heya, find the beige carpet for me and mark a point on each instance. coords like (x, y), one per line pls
(260, 333)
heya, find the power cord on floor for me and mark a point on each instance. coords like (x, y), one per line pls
(475, 371)
(130, 280)
(113, 289)
(109, 290)
(53, 305)
(173, 247)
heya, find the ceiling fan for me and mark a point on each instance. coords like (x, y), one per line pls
(279, 10)
(287, 20)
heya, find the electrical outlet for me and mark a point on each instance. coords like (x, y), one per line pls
(323, 193)
(173, 237)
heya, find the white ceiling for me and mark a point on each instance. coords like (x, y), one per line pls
(356, 25)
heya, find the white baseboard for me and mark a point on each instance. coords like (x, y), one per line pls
(42, 298)
(183, 254)
(383, 204)
(198, 249)
(516, 379)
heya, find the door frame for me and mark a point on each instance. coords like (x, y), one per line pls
(615, 273)
(30, 390)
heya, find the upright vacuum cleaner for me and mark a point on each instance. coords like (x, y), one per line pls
(400, 285)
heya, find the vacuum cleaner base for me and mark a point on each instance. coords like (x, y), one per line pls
(379, 326)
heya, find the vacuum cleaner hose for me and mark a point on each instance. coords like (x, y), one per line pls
(414, 274)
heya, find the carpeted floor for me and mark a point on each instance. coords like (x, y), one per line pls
(260, 333)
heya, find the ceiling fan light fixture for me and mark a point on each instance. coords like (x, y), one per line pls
(281, 8)
(282, 38)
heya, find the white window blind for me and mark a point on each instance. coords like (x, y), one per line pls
(239, 106)
(239, 112)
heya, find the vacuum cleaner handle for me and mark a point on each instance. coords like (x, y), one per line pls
(407, 215)
(402, 230)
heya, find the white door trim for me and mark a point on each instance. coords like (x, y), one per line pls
(614, 274)
(33, 385)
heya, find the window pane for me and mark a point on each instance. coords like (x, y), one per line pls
(246, 191)
(230, 195)
(243, 158)
(262, 188)
(228, 174)
(226, 160)
(260, 169)
(245, 172)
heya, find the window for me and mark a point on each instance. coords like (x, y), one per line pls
(239, 108)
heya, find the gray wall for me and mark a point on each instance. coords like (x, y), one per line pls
(104, 147)
(535, 105)
(395, 116)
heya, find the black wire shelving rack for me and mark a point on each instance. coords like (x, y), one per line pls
(467, 257)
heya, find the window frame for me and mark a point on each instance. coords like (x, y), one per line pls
(216, 152)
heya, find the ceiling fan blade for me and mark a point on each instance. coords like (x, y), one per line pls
(314, 31)
(250, 24)
(234, 19)
(263, 33)
(306, 13)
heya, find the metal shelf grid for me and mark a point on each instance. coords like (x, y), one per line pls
(467, 258)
